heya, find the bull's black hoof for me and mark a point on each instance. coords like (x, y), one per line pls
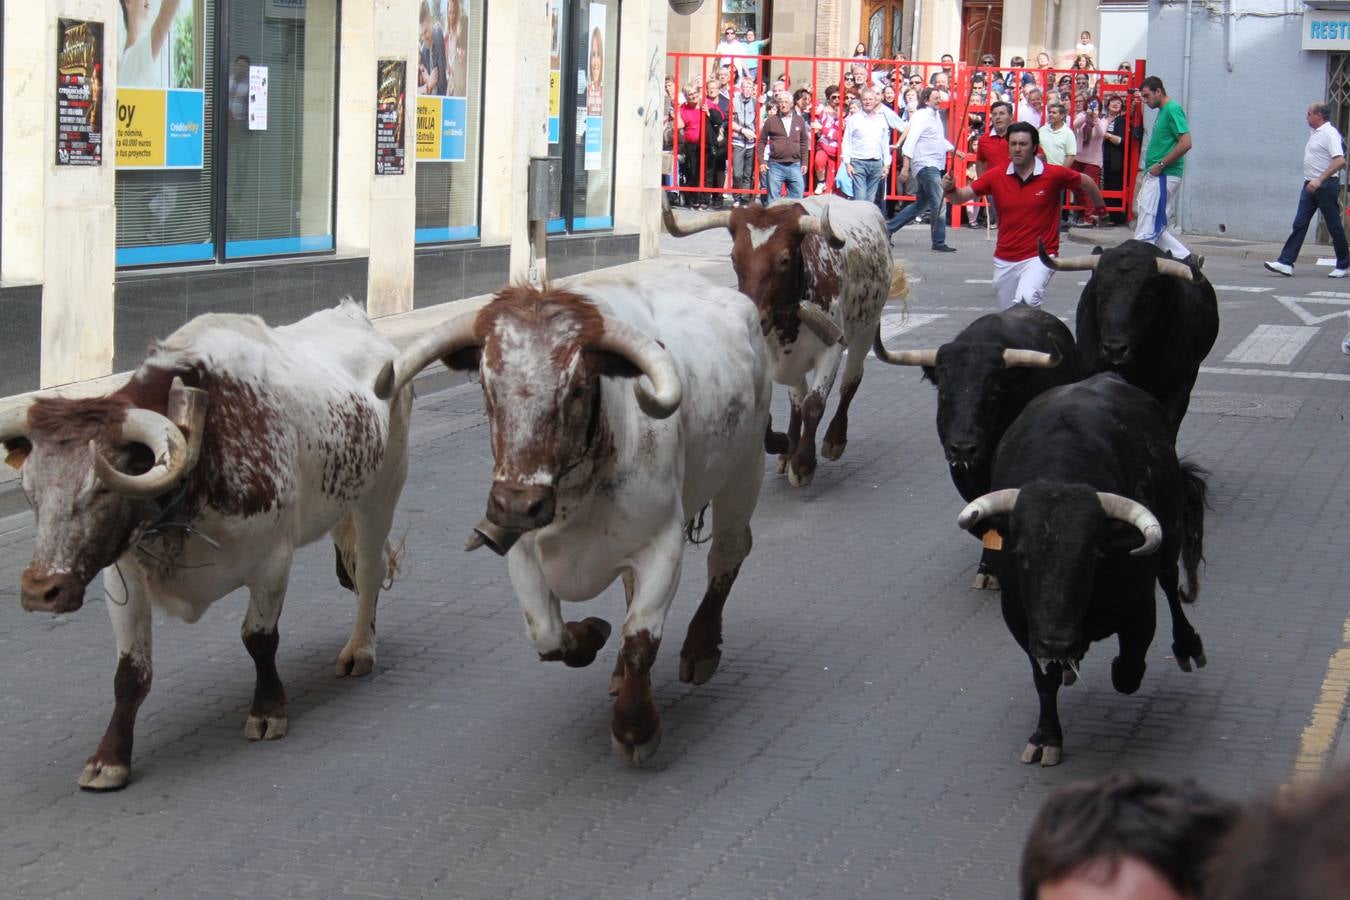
(1187, 651)
(775, 442)
(1127, 676)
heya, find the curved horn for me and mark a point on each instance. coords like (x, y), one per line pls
(1177, 268)
(187, 411)
(167, 445)
(1072, 264)
(455, 333)
(1029, 359)
(819, 225)
(692, 224)
(819, 323)
(14, 422)
(1136, 514)
(986, 506)
(903, 357)
(649, 356)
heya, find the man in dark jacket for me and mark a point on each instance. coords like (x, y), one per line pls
(786, 141)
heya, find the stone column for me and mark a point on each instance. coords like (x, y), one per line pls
(26, 163)
(515, 123)
(377, 214)
(638, 110)
(79, 226)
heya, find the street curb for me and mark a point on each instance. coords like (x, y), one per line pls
(1204, 245)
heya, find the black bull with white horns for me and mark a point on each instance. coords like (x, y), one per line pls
(1094, 507)
(985, 377)
(1146, 316)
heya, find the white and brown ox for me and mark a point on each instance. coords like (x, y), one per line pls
(823, 263)
(232, 445)
(619, 409)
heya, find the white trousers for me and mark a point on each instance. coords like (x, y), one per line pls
(1157, 219)
(1020, 282)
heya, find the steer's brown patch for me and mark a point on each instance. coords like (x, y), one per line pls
(130, 685)
(570, 319)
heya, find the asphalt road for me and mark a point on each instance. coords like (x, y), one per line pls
(861, 738)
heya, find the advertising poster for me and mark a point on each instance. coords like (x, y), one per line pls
(257, 98)
(442, 76)
(390, 99)
(79, 93)
(595, 88)
(160, 103)
(554, 69)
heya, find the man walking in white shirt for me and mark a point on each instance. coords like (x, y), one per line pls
(1323, 159)
(867, 144)
(925, 153)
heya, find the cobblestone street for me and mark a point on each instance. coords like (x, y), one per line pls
(860, 739)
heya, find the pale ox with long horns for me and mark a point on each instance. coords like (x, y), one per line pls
(1146, 316)
(820, 272)
(232, 445)
(985, 376)
(619, 408)
(1094, 507)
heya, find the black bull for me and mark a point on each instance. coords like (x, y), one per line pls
(985, 377)
(1084, 471)
(1146, 316)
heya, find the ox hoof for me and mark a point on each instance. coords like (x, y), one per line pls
(698, 671)
(1044, 754)
(588, 636)
(355, 661)
(1188, 651)
(799, 479)
(782, 465)
(636, 754)
(776, 442)
(99, 776)
(265, 728)
(1126, 676)
(832, 451)
(985, 582)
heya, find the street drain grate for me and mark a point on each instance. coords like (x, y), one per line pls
(1252, 406)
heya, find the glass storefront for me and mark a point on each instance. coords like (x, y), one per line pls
(584, 68)
(261, 185)
(449, 112)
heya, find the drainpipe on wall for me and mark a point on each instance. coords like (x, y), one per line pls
(1186, 63)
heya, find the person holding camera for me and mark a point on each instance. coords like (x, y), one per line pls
(1090, 128)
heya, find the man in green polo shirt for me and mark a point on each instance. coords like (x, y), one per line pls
(1161, 184)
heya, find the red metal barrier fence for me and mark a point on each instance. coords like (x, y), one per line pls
(702, 145)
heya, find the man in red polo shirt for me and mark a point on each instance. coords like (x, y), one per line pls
(1027, 193)
(993, 151)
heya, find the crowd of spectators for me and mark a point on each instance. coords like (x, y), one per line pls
(719, 138)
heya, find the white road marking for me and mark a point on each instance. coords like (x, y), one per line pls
(1318, 298)
(1242, 288)
(896, 324)
(979, 281)
(1275, 373)
(1326, 260)
(1272, 345)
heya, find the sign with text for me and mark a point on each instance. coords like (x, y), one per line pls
(595, 89)
(79, 93)
(1326, 29)
(441, 128)
(160, 129)
(390, 99)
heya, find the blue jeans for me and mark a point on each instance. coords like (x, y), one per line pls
(867, 177)
(929, 200)
(786, 173)
(1325, 200)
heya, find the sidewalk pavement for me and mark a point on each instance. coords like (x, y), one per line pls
(1255, 251)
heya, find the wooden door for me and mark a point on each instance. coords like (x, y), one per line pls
(882, 29)
(981, 30)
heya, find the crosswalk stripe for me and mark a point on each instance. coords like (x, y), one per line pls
(1272, 344)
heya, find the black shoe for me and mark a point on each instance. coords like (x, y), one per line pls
(1197, 261)
(943, 248)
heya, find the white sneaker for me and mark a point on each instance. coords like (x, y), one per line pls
(820, 187)
(1338, 273)
(1280, 268)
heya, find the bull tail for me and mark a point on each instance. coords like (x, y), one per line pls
(899, 286)
(344, 548)
(1193, 527)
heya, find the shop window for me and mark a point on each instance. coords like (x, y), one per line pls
(166, 73)
(449, 116)
(584, 72)
(281, 103)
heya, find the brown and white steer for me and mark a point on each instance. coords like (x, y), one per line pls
(232, 445)
(819, 270)
(619, 409)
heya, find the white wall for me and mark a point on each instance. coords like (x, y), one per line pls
(1243, 175)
